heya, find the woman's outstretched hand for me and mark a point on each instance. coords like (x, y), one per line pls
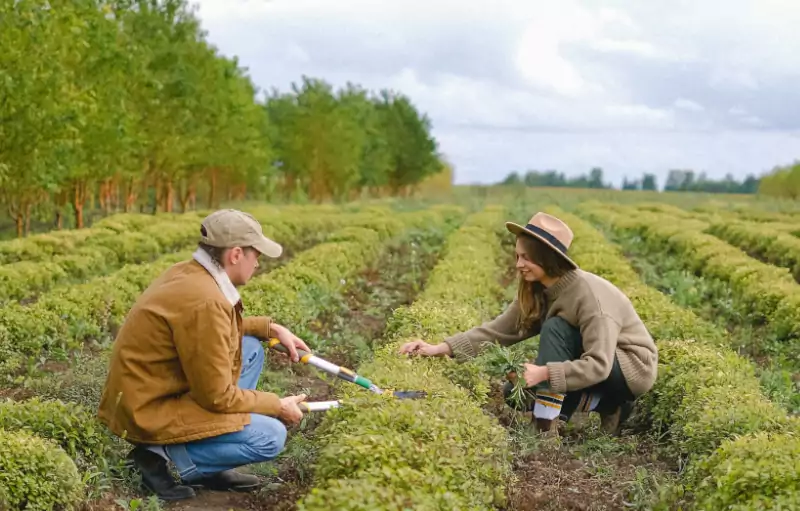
(420, 347)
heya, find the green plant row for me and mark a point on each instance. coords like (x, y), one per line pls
(767, 293)
(71, 425)
(438, 453)
(36, 474)
(300, 291)
(23, 280)
(84, 440)
(113, 245)
(741, 212)
(763, 240)
(64, 318)
(54, 449)
(707, 399)
(42, 247)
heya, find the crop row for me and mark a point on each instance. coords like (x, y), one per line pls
(768, 293)
(739, 213)
(24, 279)
(62, 319)
(764, 241)
(441, 452)
(120, 240)
(69, 429)
(706, 397)
(300, 291)
(42, 247)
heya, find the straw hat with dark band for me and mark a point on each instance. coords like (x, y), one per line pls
(550, 230)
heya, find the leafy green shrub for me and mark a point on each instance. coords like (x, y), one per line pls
(771, 243)
(767, 293)
(441, 452)
(64, 318)
(755, 472)
(302, 290)
(40, 247)
(693, 380)
(36, 474)
(706, 396)
(351, 494)
(71, 425)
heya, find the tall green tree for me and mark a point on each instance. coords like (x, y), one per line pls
(126, 103)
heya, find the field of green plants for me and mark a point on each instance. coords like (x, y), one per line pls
(715, 280)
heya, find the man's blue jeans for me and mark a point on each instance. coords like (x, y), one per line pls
(261, 440)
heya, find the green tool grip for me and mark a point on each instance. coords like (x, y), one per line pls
(360, 380)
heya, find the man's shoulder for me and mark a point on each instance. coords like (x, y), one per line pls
(185, 284)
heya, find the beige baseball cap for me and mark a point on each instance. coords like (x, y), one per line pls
(227, 228)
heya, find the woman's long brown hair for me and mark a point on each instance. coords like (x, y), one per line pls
(530, 295)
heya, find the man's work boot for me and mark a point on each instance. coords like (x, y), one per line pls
(228, 480)
(156, 476)
(611, 423)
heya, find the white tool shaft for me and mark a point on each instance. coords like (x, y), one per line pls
(323, 364)
(318, 406)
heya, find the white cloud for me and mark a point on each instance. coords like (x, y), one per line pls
(688, 105)
(632, 46)
(534, 83)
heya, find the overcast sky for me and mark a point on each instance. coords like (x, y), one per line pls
(630, 86)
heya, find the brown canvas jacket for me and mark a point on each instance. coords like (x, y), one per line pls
(177, 359)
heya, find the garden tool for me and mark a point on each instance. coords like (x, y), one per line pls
(341, 372)
(318, 406)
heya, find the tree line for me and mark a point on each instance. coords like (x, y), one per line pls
(124, 105)
(558, 179)
(677, 181)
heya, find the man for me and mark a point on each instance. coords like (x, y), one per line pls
(185, 364)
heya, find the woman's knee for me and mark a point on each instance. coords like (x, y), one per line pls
(267, 436)
(557, 327)
(559, 340)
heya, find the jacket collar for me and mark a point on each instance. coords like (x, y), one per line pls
(222, 279)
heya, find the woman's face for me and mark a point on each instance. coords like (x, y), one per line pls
(529, 270)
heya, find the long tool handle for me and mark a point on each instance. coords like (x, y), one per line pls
(320, 363)
(317, 406)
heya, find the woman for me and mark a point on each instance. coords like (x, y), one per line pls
(595, 354)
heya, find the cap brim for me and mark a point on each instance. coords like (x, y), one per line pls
(518, 229)
(268, 247)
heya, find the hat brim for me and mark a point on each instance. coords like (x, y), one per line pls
(519, 229)
(268, 247)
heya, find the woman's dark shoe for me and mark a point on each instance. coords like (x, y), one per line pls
(611, 423)
(156, 476)
(228, 480)
(547, 428)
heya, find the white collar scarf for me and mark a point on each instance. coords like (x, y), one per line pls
(222, 279)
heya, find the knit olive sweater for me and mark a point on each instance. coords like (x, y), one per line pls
(608, 323)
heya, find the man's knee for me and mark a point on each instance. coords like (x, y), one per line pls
(252, 350)
(267, 436)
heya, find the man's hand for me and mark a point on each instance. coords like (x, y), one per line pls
(290, 413)
(420, 347)
(289, 340)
